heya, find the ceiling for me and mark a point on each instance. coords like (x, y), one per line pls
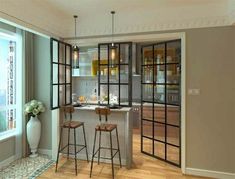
(55, 17)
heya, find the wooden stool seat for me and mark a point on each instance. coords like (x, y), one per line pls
(106, 127)
(72, 124)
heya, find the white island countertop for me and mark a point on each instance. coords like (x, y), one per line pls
(92, 107)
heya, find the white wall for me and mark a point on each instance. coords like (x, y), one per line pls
(42, 86)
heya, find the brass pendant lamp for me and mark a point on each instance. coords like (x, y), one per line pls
(75, 48)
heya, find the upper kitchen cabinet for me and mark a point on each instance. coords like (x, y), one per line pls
(115, 73)
(88, 61)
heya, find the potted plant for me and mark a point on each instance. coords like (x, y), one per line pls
(33, 109)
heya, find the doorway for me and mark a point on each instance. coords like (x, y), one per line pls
(161, 101)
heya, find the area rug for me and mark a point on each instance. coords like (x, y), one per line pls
(26, 168)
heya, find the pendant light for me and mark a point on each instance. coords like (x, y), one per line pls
(75, 47)
(113, 48)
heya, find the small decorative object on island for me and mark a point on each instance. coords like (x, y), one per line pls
(33, 109)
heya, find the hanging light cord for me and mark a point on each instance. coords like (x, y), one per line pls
(75, 20)
(112, 12)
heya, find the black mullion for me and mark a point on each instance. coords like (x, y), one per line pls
(169, 84)
(59, 63)
(108, 74)
(141, 96)
(121, 64)
(153, 98)
(180, 109)
(114, 83)
(161, 64)
(70, 68)
(58, 51)
(65, 74)
(165, 91)
(130, 74)
(119, 76)
(163, 123)
(51, 91)
(98, 74)
(61, 83)
(147, 137)
(173, 145)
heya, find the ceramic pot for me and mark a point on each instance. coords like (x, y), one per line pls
(33, 135)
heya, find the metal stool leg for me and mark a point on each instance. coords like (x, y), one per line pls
(75, 151)
(118, 149)
(68, 142)
(99, 149)
(93, 152)
(111, 148)
(85, 142)
(57, 160)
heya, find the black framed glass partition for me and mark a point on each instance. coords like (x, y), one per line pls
(115, 74)
(160, 101)
(61, 73)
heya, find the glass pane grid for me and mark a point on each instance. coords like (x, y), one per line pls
(115, 72)
(161, 88)
(61, 74)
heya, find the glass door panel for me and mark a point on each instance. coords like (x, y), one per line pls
(160, 101)
(113, 94)
(124, 53)
(55, 57)
(173, 115)
(124, 91)
(147, 145)
(61, 69)
(124, 73)
(159, 149)
(159, 113)
(62, 53)
(68, 54)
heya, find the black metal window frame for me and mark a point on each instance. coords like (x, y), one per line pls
(119, 64)
(153, 102)
(67, 65)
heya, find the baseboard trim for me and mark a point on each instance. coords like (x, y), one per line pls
(209, 173)
(45, 152)
(7, 161)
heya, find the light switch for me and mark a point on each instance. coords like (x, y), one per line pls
(194, 91)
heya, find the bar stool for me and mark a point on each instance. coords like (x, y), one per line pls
(105, 128)
(68, 110)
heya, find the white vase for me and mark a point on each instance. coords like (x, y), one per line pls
(33, 134)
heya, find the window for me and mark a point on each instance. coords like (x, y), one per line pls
(8, 84)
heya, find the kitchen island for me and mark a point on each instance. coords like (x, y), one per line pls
(122, 117)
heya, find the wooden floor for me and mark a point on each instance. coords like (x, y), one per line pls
(144, 167)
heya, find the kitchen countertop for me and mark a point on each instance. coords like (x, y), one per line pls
(92, 108)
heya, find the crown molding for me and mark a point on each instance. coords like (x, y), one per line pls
(161, 26)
